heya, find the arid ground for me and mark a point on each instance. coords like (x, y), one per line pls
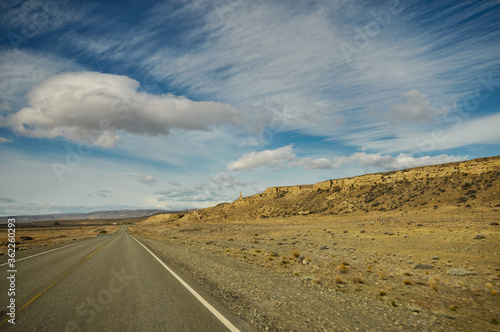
(413, 250)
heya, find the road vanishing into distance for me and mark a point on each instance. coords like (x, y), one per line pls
(108, 283)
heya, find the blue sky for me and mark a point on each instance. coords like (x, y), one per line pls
(185, 104)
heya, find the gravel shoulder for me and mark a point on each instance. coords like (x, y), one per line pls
(261, 280)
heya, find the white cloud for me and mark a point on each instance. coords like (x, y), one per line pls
(388, 162)
(225, 180)
(310, 163)
(415, 109)
(4, 140)
(90, 106)
(102, 193)
(385, 162)
(269, 158)
(460, 132)
(149, 180)
(285, 156)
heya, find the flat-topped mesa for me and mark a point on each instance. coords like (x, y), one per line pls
(410, 174)
(460, 186)
(288, 190)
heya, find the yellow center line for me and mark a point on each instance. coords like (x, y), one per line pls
(53, 283)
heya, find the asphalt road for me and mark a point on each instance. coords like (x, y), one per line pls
(109, 283)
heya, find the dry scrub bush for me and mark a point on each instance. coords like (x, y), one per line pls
(342, 268)
(433, 283)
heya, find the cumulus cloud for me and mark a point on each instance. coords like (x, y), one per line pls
(174, 183)
(148, 180)
(102, 193)
(227, 181)
(403, 160)
(385, 162)
(94, 107)
(270, 158)
(310, 163)
(415, 109)
(286, 157)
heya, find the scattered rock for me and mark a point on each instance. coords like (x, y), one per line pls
(435, 258)
(323, 248)
(493, 223)
(458, 272)
(414, 308)
(423, 266)
(362, 231)
(479, 237)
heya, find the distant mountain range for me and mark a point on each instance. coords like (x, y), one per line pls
(118, 214)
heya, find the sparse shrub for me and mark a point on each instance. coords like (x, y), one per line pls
(342, 268)
(258, 250)
(382, 294)
(433, 283)
(338, 280)
(381, 274)
(103, 232)
(295, 254)
(453, 308)
(407, 282)
(357, 280)
(393, 303)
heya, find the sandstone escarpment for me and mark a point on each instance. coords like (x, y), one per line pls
(461, 186)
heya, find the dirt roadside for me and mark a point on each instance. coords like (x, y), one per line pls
(329, 274)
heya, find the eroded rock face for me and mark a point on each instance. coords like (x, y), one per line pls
(463, 185)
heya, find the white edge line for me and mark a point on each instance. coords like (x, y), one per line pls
(214, 311)
(20, 259)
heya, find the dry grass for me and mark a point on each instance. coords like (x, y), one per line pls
(433, 283)
(381, 261)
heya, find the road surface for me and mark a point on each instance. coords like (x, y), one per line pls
(109, 283)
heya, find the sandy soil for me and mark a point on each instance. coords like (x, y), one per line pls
(403, 262)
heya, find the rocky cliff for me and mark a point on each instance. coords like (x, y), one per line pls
(469, 185)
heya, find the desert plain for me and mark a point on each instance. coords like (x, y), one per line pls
(412, 250)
